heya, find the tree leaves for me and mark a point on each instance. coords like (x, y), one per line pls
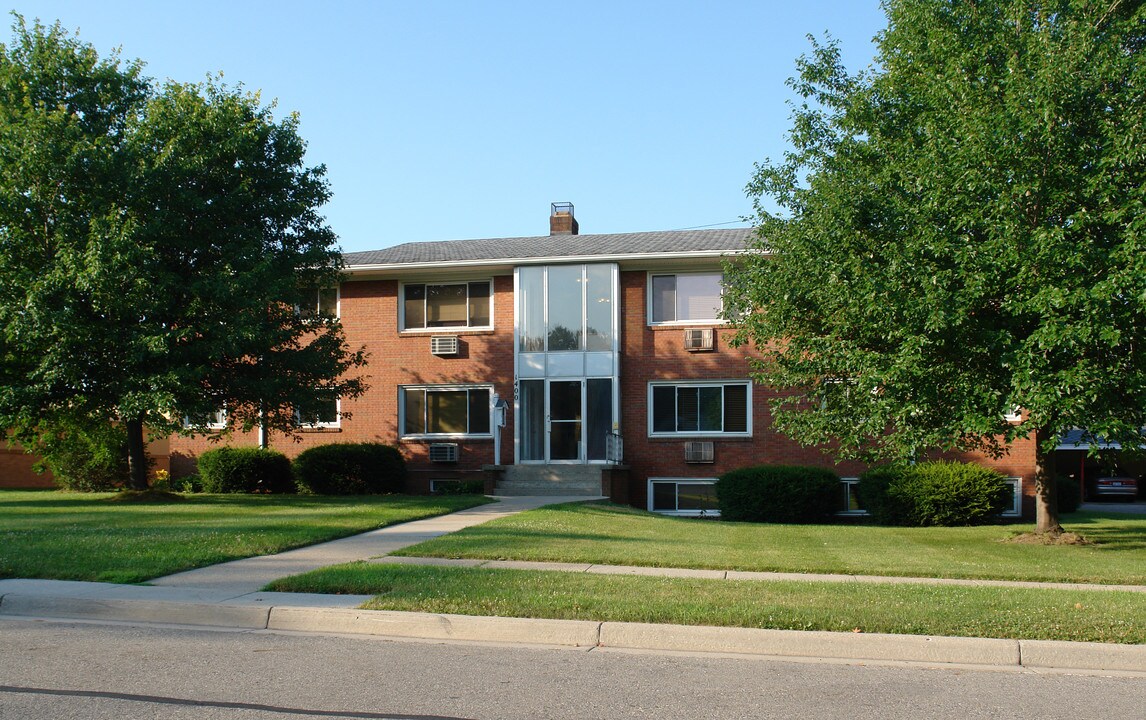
(154, 244)
(958, 232)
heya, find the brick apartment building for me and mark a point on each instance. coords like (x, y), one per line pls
(606, 352)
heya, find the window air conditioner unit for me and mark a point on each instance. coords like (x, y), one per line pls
(698, 451)
(698, 339)
(444, 344)
(444, 452)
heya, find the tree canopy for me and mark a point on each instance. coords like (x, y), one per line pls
(957, 233)
(161, 251)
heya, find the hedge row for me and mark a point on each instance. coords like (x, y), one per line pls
(778, 494)
(934, 493)
(335, 469)
(929, 493)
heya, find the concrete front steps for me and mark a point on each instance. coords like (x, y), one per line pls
(573, 480)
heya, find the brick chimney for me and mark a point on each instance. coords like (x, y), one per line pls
(561, 220)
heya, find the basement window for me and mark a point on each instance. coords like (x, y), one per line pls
(690, 497)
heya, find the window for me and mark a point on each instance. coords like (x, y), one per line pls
(216, 420)
(683, 496)
(458, 305)
(683, 298)
(700, 408)
(851, 500)
(1016, 508)
(320, 303)
(445, 410)
(319, 414)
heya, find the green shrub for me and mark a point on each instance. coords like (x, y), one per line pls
(1069, 494)
(245, 470)
(188, 484)
(882, 494)
(350, 469)
(461, 487)
(86, 458)
(778, 494)
(934, 493)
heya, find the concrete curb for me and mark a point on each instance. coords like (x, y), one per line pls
(141, 611)
(1083, 656)
(431, 626)
(305, 613)
(814, 644)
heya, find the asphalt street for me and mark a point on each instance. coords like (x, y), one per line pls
(60, 670)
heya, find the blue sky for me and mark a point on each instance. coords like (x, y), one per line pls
(446, 120)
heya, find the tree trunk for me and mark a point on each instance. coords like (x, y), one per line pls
(1046, 494)
(136, 455)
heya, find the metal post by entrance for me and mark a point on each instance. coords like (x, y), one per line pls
(497, 412)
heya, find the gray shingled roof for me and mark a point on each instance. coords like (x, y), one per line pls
(669, 242)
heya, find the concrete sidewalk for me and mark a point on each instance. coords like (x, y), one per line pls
(228, 596)
(241, 577)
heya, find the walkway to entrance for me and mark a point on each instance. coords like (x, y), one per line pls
(251, 574)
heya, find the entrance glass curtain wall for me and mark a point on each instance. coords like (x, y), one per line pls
(566, 387)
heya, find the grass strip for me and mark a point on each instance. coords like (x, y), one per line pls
(73, 536)
(602, 533)
(1020, 613)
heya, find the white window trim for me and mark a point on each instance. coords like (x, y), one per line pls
(449, 329)
(337, 423)
(1016, 509)
(447, 388)
(695, 434)
(680, 323)
(679, 481)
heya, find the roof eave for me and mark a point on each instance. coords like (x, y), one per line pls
(552, 260)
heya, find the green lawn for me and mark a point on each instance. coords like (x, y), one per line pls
(613, 535)
(1088, 615)
(73, 536)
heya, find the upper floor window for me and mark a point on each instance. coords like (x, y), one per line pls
(700, 408)
(321, 302)
(438, 410)
(447, 305)
(685, 298)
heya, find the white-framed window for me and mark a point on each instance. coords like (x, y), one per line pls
(216, 420)
(700, 408)
(1016, 507)
(320, 414)
(1014, 416)
(683, 496)
(685, 298)
(445, 410)
(320, 302)
(850, 501)
(432, 306)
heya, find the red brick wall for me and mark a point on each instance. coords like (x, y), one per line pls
(16, 469)
(657, 353)
(369, 313)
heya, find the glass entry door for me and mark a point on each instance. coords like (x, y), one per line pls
(565, 421)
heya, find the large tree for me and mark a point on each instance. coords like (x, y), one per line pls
(161, 252)
(957, 233)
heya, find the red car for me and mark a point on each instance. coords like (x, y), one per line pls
(1116, 487)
